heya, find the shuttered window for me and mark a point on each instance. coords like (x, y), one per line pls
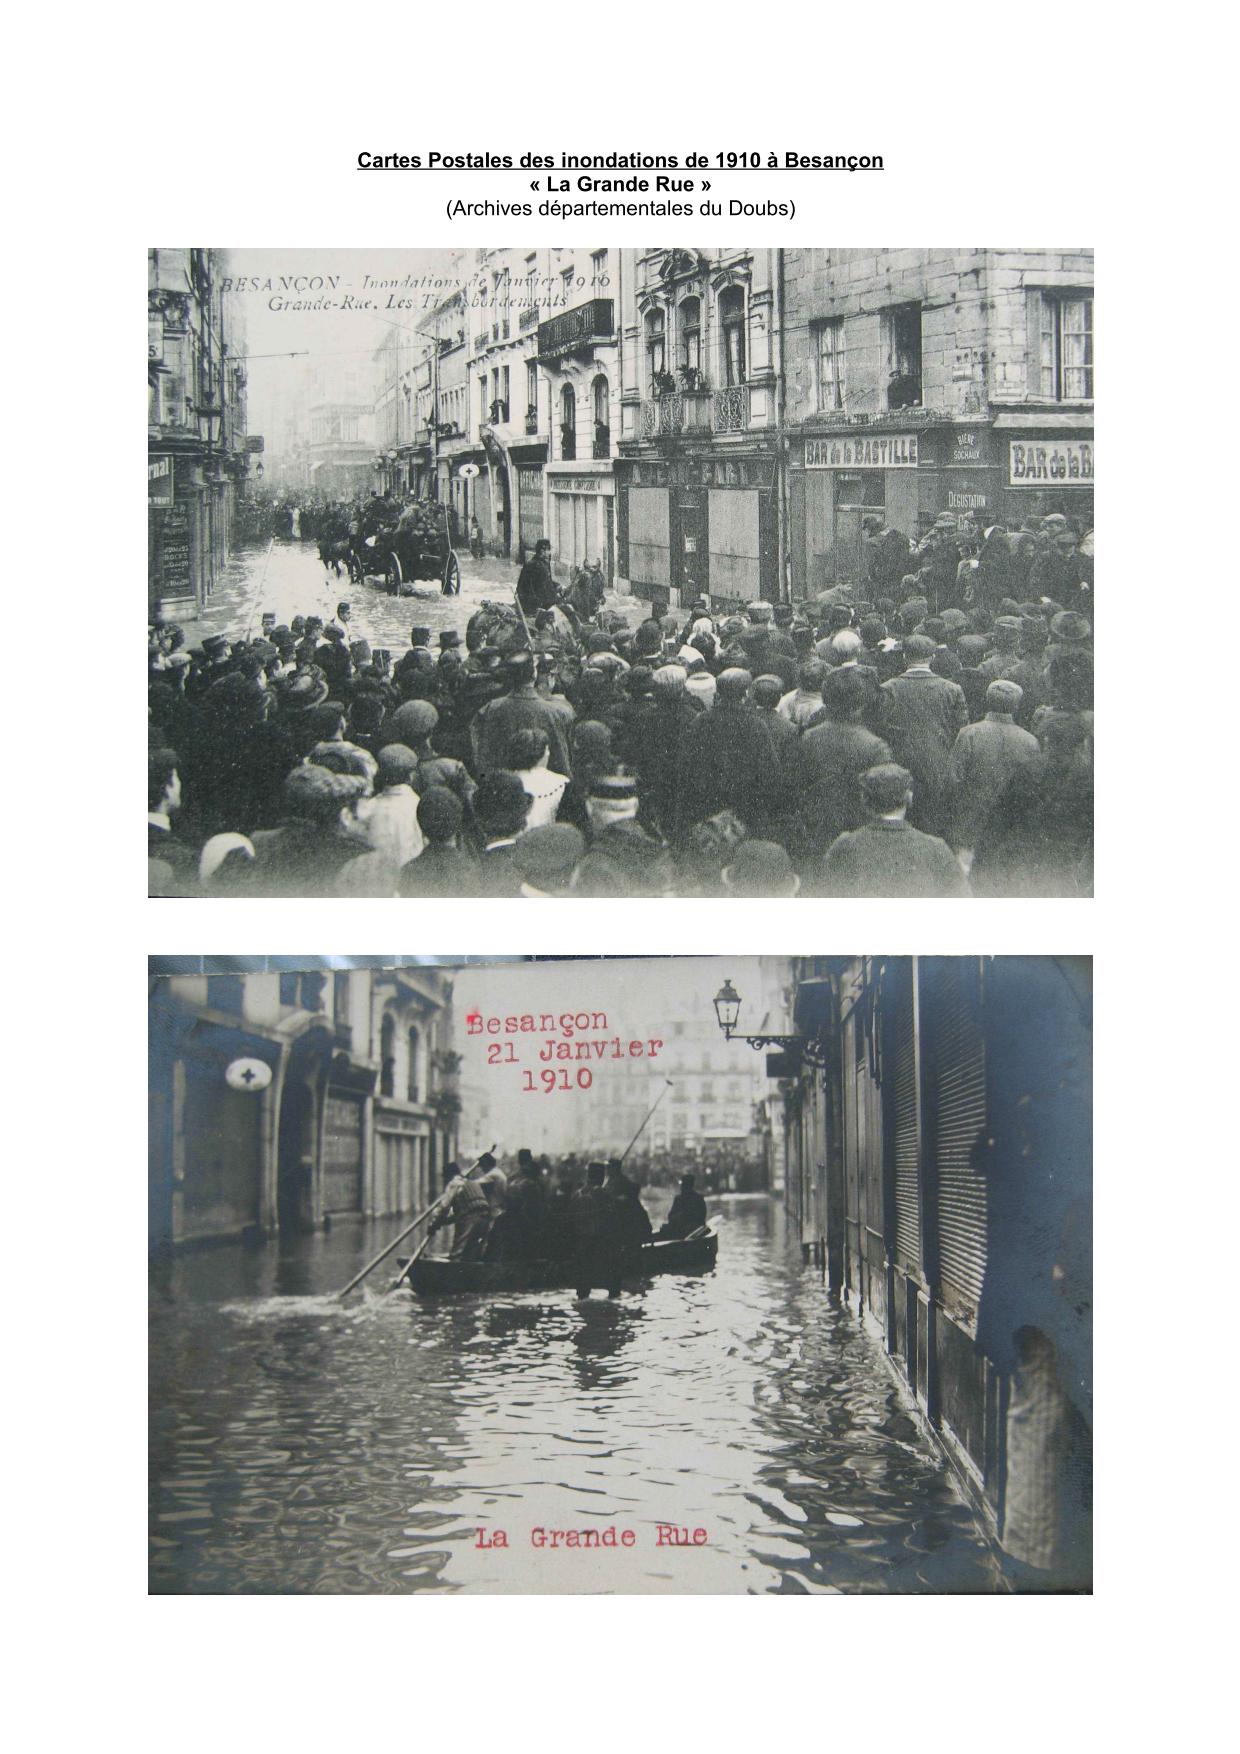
(903, 1114)
(952, 1032)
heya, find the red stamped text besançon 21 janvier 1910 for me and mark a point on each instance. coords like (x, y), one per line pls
(580, 1036)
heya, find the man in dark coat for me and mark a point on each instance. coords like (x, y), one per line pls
(886, 555)
(502, 806)
(523, 708)
(926, 713)
(688, 1211)
(163, 800)
(994, 568)
(1039, 839)
(526, 1217)
(598, 1246)
(654, 741)
(536, 588)
(728, 763)
(441, 868)
(888, 857)
(830, 760)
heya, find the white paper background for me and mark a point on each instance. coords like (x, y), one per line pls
(238, 125)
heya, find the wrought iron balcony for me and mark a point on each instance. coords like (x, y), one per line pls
(577, 330)
(528, 317)
(731, 409)
(680, 411)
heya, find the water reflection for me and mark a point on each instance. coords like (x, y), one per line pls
(302, 1445)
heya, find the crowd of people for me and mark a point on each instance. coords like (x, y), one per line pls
(930, 734)
(592, 1218)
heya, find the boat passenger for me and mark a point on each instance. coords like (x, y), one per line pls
(633, 1221)
(688, 1211)
(598, 1246)
(526, 1220)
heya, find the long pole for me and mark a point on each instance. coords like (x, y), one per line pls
(667, 1085)
(421, 1217)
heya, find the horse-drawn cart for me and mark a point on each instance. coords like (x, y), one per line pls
(419, 549)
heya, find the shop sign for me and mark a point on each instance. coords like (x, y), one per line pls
(966, 499)
(159, 482)
(966, 446)
(248, 1075)
(1051, 462)
(581, 484)
(862, 451)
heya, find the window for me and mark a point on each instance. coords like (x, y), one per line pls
(655, 357)
(387, 1055)
(507, 383)
(340, 998)
(312, 987)
(566, 283)
(690, 338)
(531, 390)
(224, 992)
(482, 398)
(289, 985)
(412, 1081)
(829, 351)
(601, 395)
(902, 347)
(568, 424)
(732, 322)
(598, 270)
(1066, 358)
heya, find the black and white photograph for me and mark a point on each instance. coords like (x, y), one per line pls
(664, 1275)
(620, 572)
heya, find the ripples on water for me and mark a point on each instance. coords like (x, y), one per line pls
(304, 1445)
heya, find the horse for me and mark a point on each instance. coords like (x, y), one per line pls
(333, 551)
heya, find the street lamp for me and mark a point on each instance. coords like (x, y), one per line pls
(727, 1002)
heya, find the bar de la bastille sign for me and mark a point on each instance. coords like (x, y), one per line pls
(862, 451)
(1050, 462)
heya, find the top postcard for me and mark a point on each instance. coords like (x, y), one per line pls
(614, 572)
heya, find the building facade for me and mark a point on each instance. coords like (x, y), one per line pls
(281, 1101)
(919, 382)
(198, 449)
(697, 475)
(938, 1170)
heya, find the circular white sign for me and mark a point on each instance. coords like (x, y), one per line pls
(467, 471)
(248, 1075)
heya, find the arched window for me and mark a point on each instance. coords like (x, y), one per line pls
(732, 323)
(568, 423)
(655, 355)
(601, 396)
(387, 1055)
(690, 334)
(412, 1084)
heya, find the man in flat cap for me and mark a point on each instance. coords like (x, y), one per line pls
(924, 715)
(986, 757)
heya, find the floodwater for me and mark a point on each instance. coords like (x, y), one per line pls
(300, 1445)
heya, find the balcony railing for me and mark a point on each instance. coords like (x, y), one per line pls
(568, 444)
(528, 317)
(731, 409)
(578, 329)
(602, 441)
(680, 411)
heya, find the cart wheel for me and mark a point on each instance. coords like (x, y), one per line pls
(357, 573)
(452, 575)
(394, 574)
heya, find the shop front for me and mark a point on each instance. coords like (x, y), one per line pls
(582, 510)
(528, 466)
(699, 525)
(178, 536)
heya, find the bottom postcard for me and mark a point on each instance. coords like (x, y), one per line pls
(706, 1275)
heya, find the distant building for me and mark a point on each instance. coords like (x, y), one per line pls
(341, 1102)
(198, 448)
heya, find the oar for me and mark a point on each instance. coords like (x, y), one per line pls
(667, 1085)
(425, 1243)
(396, 1240)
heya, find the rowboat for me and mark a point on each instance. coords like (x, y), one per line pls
(437, 1278)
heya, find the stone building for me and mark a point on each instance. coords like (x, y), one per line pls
(281, 1100)
(198, 448)
(919, 382)
(696, 477)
